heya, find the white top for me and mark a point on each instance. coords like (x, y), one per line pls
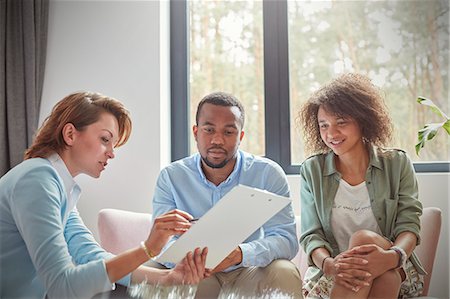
(73, 191)
(351, 212)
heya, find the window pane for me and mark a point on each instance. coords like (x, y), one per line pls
(226, 54)
(403, 46)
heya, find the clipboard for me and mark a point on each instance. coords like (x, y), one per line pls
(227, 224)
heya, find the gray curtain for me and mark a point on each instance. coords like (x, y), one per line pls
(23, 43)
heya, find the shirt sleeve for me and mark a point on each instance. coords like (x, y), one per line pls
(312, 235)
(36, 208)
(82, 246)
(279, 242)
(280, 233)
(163, 200)
(409, 207)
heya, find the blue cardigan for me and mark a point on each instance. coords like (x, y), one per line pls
(45, 248)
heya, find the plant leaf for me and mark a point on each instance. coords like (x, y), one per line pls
(428, 132)
(433, 107)
(446, 126)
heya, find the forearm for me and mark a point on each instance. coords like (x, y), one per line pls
(323, 260)
(149, 274)
(407, 241)
(232, 260)
(235, 257)
(82, 246)
(165, 226)
(125, 263)
(318, 256)
(260, 253)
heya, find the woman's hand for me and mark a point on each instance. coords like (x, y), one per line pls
(191, 270)
(348, 270)
(174, 222)
(379, 260)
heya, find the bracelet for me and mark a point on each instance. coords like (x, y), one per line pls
(147, 251)
(402, 256)
(323, 262)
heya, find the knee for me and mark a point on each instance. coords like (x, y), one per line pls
(208, 288)
(389, 279)
(282, 268)
(282, 276)
(363, 237)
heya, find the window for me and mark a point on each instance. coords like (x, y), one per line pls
(226, 38)
(402, 46)
(273, 54)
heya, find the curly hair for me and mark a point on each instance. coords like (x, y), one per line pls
(81, 109)
(349, 96)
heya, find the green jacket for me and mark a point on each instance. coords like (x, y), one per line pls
(393, 191)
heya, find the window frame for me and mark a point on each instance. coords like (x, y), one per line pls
(276, 86)
(179, 85)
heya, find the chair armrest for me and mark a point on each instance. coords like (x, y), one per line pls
(120, 230)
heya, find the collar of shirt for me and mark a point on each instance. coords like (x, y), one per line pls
(330, 166)
(73, 190)
(230, 178)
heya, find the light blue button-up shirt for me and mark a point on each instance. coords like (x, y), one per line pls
(45, 248)
(182, 185)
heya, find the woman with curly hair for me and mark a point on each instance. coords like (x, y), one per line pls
(360, 208)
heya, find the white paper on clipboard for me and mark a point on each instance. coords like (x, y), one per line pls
(227, 224)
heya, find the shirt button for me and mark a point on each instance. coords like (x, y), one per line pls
(369, 182)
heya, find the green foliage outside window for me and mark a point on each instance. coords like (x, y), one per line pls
(403, 46)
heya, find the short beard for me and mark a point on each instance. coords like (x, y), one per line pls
(212, 165)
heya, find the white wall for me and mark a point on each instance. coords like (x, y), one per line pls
(114, 48)
(120, 49)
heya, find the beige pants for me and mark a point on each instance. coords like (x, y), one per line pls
(281, 277)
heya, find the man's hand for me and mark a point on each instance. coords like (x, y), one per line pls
(234, 258)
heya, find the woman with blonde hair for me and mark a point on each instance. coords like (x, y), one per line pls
(45, 249)
(360, 208)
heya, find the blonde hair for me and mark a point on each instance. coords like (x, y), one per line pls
(80, 109)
